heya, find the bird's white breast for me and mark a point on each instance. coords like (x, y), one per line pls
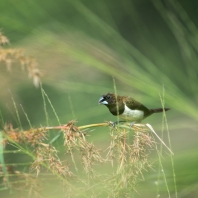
(132, 115)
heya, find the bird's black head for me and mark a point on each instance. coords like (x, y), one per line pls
(107, 99)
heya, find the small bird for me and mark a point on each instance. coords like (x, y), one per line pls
(127, 108)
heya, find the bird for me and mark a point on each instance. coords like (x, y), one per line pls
(127, 108)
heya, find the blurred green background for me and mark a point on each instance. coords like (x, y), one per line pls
(81, 46)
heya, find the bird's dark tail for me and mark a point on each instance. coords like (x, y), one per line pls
(158, 110)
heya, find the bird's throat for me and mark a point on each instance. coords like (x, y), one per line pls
(116, 109)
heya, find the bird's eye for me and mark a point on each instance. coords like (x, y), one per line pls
(107, 97)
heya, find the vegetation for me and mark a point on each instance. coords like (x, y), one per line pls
(55, 140)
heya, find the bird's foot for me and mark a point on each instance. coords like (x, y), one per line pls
(131, 124)
(113, 124)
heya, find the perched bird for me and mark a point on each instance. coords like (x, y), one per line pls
(127, 108)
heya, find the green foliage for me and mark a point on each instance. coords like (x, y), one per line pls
(81, 46)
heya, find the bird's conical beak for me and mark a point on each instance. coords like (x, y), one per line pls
(102, 101)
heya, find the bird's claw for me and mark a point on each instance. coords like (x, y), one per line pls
(131, 124)
(113, 124)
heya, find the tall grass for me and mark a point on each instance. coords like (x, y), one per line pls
(127, 156)
(81, 63)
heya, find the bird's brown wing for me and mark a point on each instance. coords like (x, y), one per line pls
(134, 105)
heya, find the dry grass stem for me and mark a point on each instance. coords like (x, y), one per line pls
(22, 182)
(31, 136)
(75, 139)
(131, 155)
(128, 153)
(47, 154)
(10, 56)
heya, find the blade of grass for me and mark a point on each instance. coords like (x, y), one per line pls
(51, 105)
(45, 108)
(2, 162)
(71, 106)
(169, 141)
(17, 113)
(26, 116)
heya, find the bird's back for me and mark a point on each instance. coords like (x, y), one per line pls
(134, 105)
